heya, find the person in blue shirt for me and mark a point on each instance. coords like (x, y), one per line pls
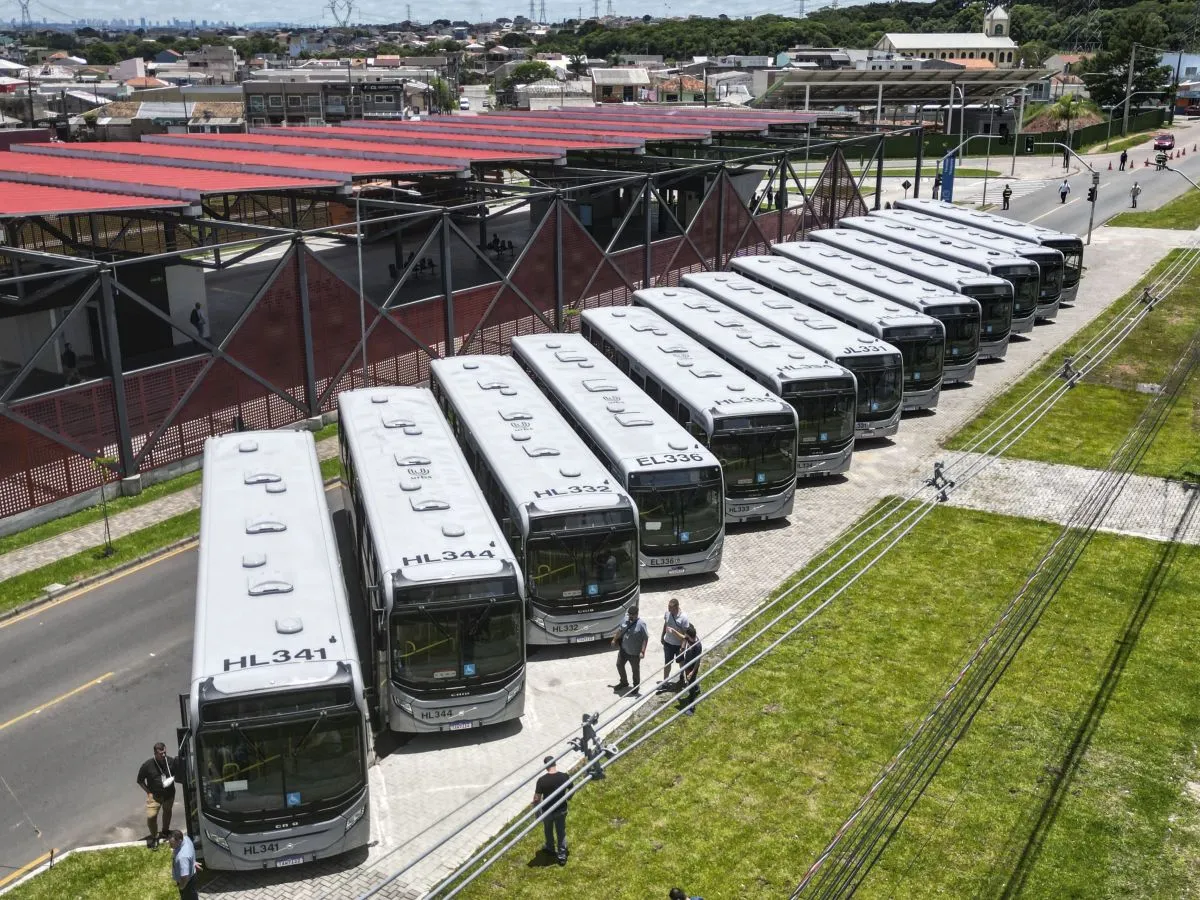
(679, 894)
(184, 865)
(631, 640)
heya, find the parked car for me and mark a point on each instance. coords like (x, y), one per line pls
(1164, 142)
(464, 104)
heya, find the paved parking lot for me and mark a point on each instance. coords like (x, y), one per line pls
(420, 787)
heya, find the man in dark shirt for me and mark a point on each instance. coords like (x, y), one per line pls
(157, 778)
(70, 365)
(554, 807)
(689, 665)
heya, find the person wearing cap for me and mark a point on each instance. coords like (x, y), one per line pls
(675, 623)
(689, 667)
(550, 800)
(631, 640)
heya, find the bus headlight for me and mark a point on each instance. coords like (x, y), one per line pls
(217, 839)
(539, 621)
(404, 705)
(355, 816)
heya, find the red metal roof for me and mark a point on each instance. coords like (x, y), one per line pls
(404, 144)
(43, 200)
(649, 130)
(156, 181)
(447, 128)
(265, 162)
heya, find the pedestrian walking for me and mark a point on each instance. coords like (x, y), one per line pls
(631, 638)
(550, 800)
(184, 865)
(1134, 192)
(1124, 160)
(674, 632)
(1063, 190)
(70, 365)
(689, 666)
(157, 778)
(199, 323)
(1006, 195)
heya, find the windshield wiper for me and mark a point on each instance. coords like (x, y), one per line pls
(485, 616)
(304, 740)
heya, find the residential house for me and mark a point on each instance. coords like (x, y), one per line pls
(620, 85)
(550, 93)
(676, 87)
(168, 56)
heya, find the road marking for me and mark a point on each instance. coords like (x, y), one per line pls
(59, 699)
(76, 594)
(28, 867)
(1060, 206)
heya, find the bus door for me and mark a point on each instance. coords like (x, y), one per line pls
(183, 735)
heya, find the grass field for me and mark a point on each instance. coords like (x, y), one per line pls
(127, 873)
(1117, 144)
(1182, 213)
(1086, 428)
(739, 800)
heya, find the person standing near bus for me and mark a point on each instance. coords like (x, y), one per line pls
(184, 865)
(631, 640)
(674, 630)
(549, 799)
(689, 667)
(157, 778)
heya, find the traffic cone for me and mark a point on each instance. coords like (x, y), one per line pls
(1110, 165)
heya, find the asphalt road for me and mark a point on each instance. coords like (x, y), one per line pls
(89, 684)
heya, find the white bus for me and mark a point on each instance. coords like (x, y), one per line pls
(444, 593)
(749, 429)
(1050, 262)
(958, 313)
(1069, 245)
(674, 480)
(1021, 274)
(920, 339)
(877, 366)
(564, 515)
(822, 392)
(995, 295)
(275, 727)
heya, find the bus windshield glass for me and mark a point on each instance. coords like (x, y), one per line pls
(676, 515)
(922, 361)
(1052, 278)
(442, 648)
(1073, 264)
(756, 464)
(253, 771)
(996, 312)
(962, 338)
(579, 570)
(1025, 287)
(825, 421)
(880, 387)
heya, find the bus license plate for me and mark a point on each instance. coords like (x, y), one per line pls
(288, 861)
(581, 638)
(675, 570)
(460, 726)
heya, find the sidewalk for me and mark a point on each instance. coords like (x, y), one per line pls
(34, 556)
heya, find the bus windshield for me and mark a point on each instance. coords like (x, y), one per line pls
(922, 361)
(962, 338)
(1052, 278)
(825, 421)
(1072, 264)
(879, 388)
(261, 770)
(756, 464)
(580, 570)
(996, 313)
(1025, 288)
(442, 648)
(674, 517)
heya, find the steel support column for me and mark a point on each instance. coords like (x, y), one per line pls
(647, 238)
(722, 181)
(310, 368)
(879, 172)
(447, 285)
(920, 161)
(558, 262)
(112, 340)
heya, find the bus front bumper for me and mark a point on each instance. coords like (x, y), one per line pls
(286, 847)
(680, 564)
(411, 714)
(824, 464)
(996, 349)
(543, 628)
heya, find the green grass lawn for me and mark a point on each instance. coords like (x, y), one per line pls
(1182, 213)
(1086, 426)
(127, 873)
(1117, 144)
(739, 800)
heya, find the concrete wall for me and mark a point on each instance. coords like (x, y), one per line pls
(21, 335)
(185, 288)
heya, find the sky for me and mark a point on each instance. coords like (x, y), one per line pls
(315, 13)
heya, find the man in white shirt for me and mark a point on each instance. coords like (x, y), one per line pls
(674, 630)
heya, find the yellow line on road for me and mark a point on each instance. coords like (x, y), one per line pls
(59, 699)
(28, 867)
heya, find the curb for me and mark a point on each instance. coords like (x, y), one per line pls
(91, 580)
(56, 860)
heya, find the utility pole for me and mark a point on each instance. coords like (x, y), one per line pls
(596, 10)
(542, 13)
(1017, 134)
(1128, 90)
(408, 13)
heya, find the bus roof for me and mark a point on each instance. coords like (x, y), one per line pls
(868, 312)
(269, 576)
(814, 329)
(543, 459)
(694, 374)
(968, 234)
(921, 265)
(964, 252)
(620, 417)
(869, 276)
(771, 357)
(991, 222)
(418, 493)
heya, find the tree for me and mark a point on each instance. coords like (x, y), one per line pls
(1034, 53)
(516, 39)
(577, 65)
(527, 72)
(1107, 73)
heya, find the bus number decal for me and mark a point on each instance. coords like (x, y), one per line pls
(277, 656)
(732, 400)
(446, 556)
(665, 458)
(871, 348)
(574, 489)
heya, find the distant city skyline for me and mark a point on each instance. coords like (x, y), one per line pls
(313, 13)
